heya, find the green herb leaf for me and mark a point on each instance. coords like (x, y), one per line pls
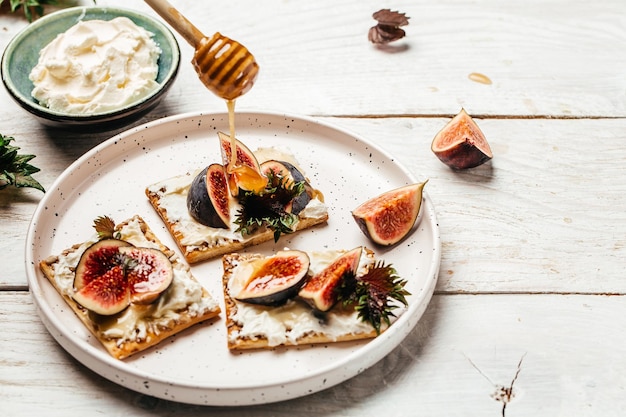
(14, 168)
(373, 294)
(32, 8)
(269, 207)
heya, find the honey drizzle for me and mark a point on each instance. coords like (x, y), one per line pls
(230, 104)
(243, 175)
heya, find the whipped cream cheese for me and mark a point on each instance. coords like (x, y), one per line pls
(96, 66)
(295, 319)
(173, 192)
(134, 323)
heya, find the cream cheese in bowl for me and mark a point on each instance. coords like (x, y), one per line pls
(96, 66)
(92, 71)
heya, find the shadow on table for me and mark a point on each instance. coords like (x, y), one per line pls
(337, 400)
(348, 398)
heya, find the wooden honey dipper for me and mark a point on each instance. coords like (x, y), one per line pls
(225, 66)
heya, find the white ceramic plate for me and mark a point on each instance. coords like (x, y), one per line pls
(195, 366)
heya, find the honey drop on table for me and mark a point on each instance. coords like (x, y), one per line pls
(479, 78)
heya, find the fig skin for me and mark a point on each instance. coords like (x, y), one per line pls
(390, 217)
(461, 144)
(208, 200)
(321, 291)
(275, 279)
(287, 170)
(111, 274)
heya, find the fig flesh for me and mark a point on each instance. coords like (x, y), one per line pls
(461, 144)
(96, 260)
(321, 291)
(208, 200)
(275, 279)
(111, 274)
(246, 172)
(150, 274)
(291, 175)
(108, 294)
(389, 217)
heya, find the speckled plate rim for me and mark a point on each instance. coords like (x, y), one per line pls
(49, 232)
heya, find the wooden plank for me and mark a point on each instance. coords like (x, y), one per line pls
(547, 214)
(560, 59)
(566, 352)
(533, 242)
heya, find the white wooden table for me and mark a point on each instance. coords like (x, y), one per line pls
(531, 291)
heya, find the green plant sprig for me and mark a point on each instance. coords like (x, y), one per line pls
(14, 168)
(32, 8)
(374, 293)
(269, 207)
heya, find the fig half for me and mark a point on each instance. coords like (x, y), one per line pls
(461, 144)
(208, 200)
(321, 291)
(96, 260)
(150, 273)
(107, 295)
(246, 172)
(112, 273)
(291, 175)
(275, 279)
(389, 217)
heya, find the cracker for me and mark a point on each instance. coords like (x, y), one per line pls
(149, 331)
(198, 242)
(326, 330)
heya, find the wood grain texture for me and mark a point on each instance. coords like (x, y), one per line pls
(458, 357)
(531, 291)
(558, 58)
(547, 214)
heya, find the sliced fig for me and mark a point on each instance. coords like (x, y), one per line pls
(208, 200)
(461, 144)
(149, 273)
(291, 175)
(246, 172)
(96, 260)
(389, 217)
(112, 273)
(108, 294)
(274, 280)
(244, 155)
(321, 291)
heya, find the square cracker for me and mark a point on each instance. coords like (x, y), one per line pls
(198, 242)
(147, 332)
(240, 339)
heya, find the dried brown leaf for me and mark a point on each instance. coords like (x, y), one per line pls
(388, 27)
(388, 17)
(385, 34)
(105, 227)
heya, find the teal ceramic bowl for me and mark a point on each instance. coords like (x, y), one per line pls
(22, 54)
